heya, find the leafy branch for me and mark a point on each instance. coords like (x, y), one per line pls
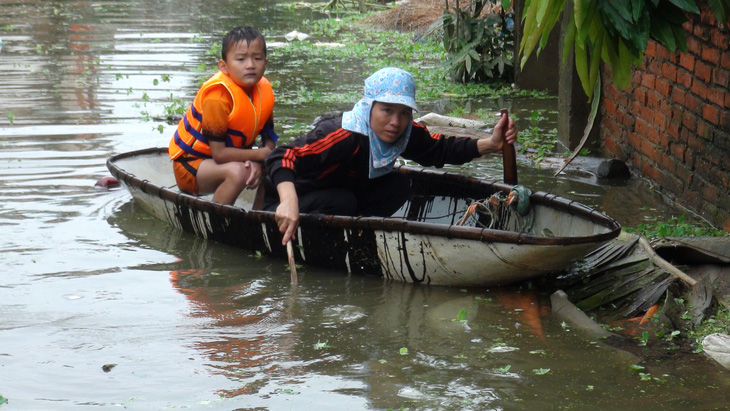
(615, 32)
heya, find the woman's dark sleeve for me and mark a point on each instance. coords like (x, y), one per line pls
(435, 150)
(319, 152)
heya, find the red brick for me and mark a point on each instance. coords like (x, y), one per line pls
(687, 61)
(636, 76)
(646, 113)
(724, 120)
(689, 121)
(684, 173)
(666, 108)
(669, 71)
(654, 67)
(711, 55)
(679, 96)
(716, 96)
(694, 46)
(699, 89)
(693, 103)
(640, 95)
(688, 26)
(664, 87)
(653, 98)
(660, 121)
(727, 100)
(609, 106)
(706, 16)
(678, 151)
(703, 130)
(662, 52)
(652, 151)
(725, 61)
(719, 39)
(703, 71)
(703, 32)
(673, 58)
(611, 148)
(668, 163)
(651, 49)
(684, 78)
(673, 129)
(641, 127)
(612, 127)
(711, 114)
(635, 141)
(686, 134)
(696, 144)
(721, 77)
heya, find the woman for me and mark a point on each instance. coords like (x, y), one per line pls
(344, 165)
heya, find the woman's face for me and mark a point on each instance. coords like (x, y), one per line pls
(389, 121)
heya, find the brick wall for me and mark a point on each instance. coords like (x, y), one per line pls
(673, 124)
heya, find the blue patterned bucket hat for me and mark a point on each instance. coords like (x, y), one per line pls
(392, 85)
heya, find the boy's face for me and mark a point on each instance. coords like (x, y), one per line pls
(245, 63)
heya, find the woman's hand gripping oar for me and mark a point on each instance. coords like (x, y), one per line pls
(509, 157)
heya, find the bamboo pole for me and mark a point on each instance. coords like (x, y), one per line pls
(292, 264)
(664, 264)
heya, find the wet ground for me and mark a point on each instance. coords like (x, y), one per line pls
(103, 306)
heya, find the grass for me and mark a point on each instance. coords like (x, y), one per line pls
(675, 227)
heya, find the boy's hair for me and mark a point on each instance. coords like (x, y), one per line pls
(239, 34)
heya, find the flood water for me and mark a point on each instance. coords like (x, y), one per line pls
(102, 306)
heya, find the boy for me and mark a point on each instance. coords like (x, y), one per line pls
(212, 149)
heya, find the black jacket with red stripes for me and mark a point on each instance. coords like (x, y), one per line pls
(330, 156)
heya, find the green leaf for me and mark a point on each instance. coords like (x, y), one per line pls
(661, 31)
(721, 10)
(505, 4)
(462, 315)
(640, 38)
(613, 18)
(587, 20)
(686, 5)
(581, 66)
(569, 40)
(623, 7)
(637, 9)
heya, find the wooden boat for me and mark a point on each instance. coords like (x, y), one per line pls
(426, 241)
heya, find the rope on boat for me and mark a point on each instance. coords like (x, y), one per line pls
(497, 211)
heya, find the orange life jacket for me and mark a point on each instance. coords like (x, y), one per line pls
(247, 119)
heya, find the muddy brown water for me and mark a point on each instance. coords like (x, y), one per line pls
(102, 306)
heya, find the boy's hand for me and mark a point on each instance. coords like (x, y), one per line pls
(254, 175)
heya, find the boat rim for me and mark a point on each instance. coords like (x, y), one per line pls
(384, 223)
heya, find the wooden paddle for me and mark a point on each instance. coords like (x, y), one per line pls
(509, 157)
